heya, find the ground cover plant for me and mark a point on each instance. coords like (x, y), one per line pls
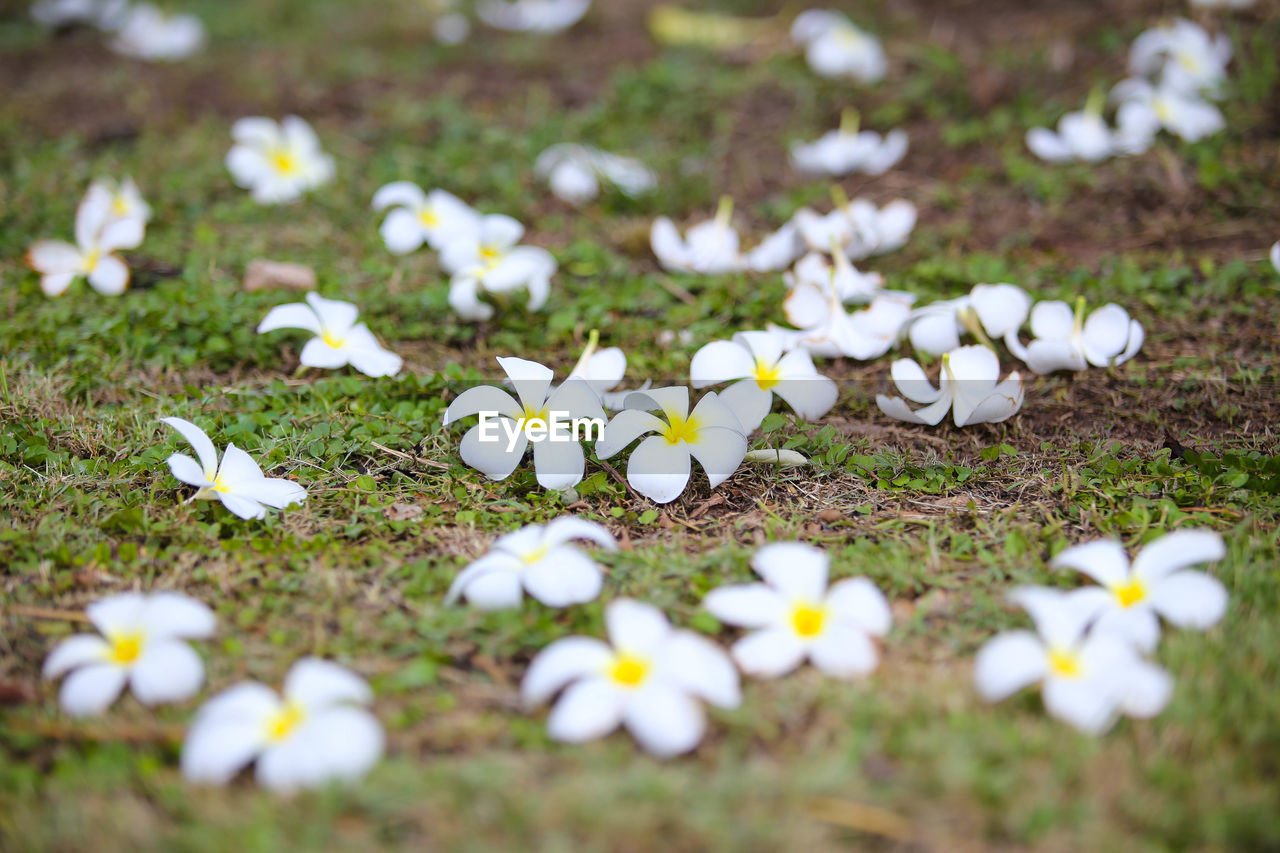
(944, 521)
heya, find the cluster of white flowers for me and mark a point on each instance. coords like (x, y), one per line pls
(835, 47)
(140, 30)
(452, 26)
(574, 172)
(111, 217)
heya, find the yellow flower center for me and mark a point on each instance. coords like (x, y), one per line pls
(428, 217)
(767, 375)
(680, 429)
(1065, 664)
(536, 554)
(491, 256)
(125, 648)
(808, 621)
(1162, 109)
(629, 671)
(282, 723)
(531, 414)
(332, 340)
(1189, 62)
(1130, 592)
(119, 207)
(284, 161)
(91, 259)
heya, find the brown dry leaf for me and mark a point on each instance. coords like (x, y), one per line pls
(262, 274)
(403, 512)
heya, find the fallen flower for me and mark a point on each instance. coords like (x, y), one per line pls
(1145, 109)
(709, 248)
(537, 558)
(858, 227)
(794, 615)
(841, 278)
(1182, 55)
(339, 340)
(660, 467)
(143, 646)
(318, 733)
(777, 251)
(1134, 597)
(1275, 256)
(103, 14)
(434, 218)
(827, 330)
(649, 677)
(603, 370)
(835, 47)
(1087, 677)
(153, 35)
(846, 150)
(491, 259)
(277, 162)
(763, 369)
(1065, 340)
(989, 312)
(574, 172)
(967, 387)
(238, 482)
(533, 16)
(1082, 135)
(99, 234)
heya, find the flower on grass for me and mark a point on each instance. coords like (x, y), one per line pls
(989, 312)
(451, 28)
(603, 370)
(777, 251)
(827, 330)
(416, 217)
(835, 47)
(757, 360)
(1145, 109)
(317, 733)
(103, 14)
(537, 558)
(1087, 677)
(858, 227)
(794, 615)
(107, 219)
(558, 464)
(1065, 340)
(709, 248)
(1182, 55)
(840, 277)
(968, 387)
(141, 643)
(648, 677)
(238, 482)
(1275, 255)
(489, 258)
(660, 466)
(1083, 135)
(277, 162)
(153, 35)
(532, 16)
(339, 340)
(1134, 597)
(575, 172)
(847, 150)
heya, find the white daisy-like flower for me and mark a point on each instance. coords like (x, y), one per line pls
(532, 16)
(1083, 136)
(108, 219)
(538, 559)
(648, 677)
(793, 615)
(777, 251)
(604, 370)
(490, 259)
(339, 340)
(1065, 340)
(858, 227)
(317, 733)
(969, 387)
(989, 312)
(151, 34)
(847, 149)
(826, 329)
(1145, 110)
(141, 644)
(841, 278)
(574, 172)
(277, 162)
(435, 218)
(1182, 55)
(762, 369)
(709, 248)
(835, 47)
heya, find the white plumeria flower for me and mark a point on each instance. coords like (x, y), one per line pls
(1182, 55)
(989, 312)
(99, 234)
(452, 28)
(1145, 109)
(103, 14)
(709, 248)
(574, 172)
(143, 646)
(1065, 340)
(968, 387)
(532, 16)
(1133, 598)
(847, 150)
(339, 340)
(858, 227)
(238, 482)
(794, 615)
(153, 35)
(277, 162)
(648, 677)
(434, 218)
(835, 47)
(777, 251)
(603, 370)
(1087, 677)
(1083, 135)
(660, 466)
(1275, 256)
(537, 558)
(491, 259)
(1222, 4)
(763, 369)
(557, 464)
(317, 733)
(840, 277)
(126, 206)
(828, 330)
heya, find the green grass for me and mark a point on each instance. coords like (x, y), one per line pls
(945, 522)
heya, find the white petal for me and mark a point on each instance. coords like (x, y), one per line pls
(199, 442)
(797, 571)
(57, 283)
(1060, 618)
(91, 689)
(492, 458)
(660, 470)
(1190, 599)
(664, 720)
(1008, 663)
(810, 397)
(399, 193)
(1137, 625)
(54, 257)
(1052, 319)
(482, 398)
(167, 671)
(634, 627)
(316, 683)
(171, 614)
(215, 751)
(721, 361)
(1104, 560)
(294, 315)
(1001, 308)
(844, 651)
(73, 652)
(117, 613)
(564, 577)
(273, 491)
(668, 245)
(532, 380)
(588, 710)
(238, 469)
(494, 590)
(749, 403)
(340, 744)
(1145, 690)
(317, 352)
(569, 527)
(719, 451)
(698, 666)
(769, 653)
(1086, 704)
(859, 602)
(1177, 550)
(242, 507)
(1106, 333)
(565, 660)
(464, 298)
(186, 469)
(910, 379)
(753, 605)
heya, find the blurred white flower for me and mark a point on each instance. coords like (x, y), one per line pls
(558, 464)
(154, 35)
(858, 227)
(1183, 56)
(1065, 340)
(107, 219)
(238, 482)
(1222, 4)
(1275, 256)
(1145, 109)
(989, 312)
(709, 248)
(277, 162)
(841, 278)
(1134, 597)
(537, 558)
(827, 330)
(835, 47)
(1083, 135)
(777, 251)
(1088, 677)
(968, 386)
(143, 645)
(490, 259)
(649, 677)
(846, 150)
(533, 16)
(574, 172)
(660, 466)
(763, 369)
(316, 734)
(339, 340)
(451, 28)
(103, 14)
(434, 218)
(603, 370)
(794, 615)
